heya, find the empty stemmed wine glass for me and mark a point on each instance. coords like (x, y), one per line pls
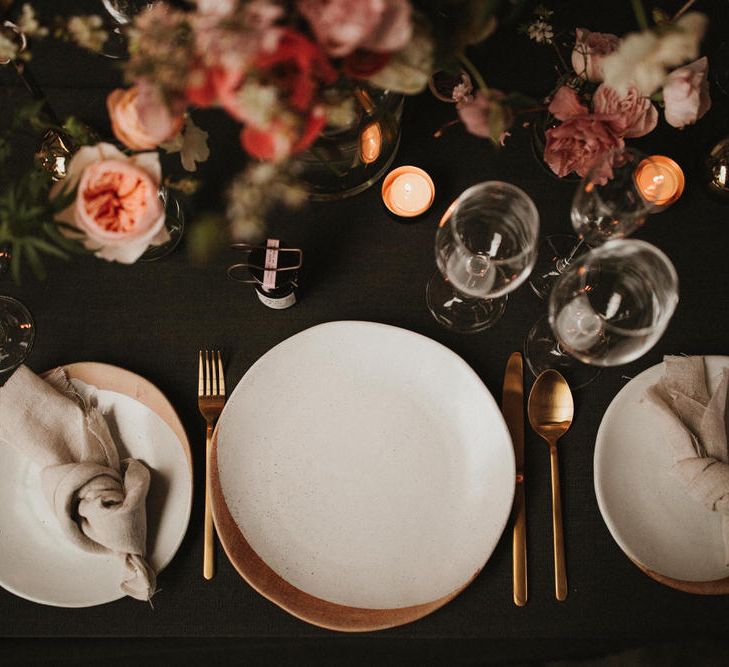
(122, 12)
(485, 247)
(609, 307)
(17, 331)
(611, 202)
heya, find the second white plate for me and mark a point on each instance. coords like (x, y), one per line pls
(647, 510)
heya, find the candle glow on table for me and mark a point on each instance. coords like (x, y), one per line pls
(660, 180)
(408, 191)
(370, 143)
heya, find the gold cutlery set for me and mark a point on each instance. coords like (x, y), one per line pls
(550, 410)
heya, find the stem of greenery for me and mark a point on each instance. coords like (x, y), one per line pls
(473, 71)
(322, 158)
(640, 15)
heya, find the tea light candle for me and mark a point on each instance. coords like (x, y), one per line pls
(660, 179)
(408, 191)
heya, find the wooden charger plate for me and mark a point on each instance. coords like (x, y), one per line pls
(361, 476)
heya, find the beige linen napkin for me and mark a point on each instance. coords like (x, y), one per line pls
(696, 432)
(98, 500)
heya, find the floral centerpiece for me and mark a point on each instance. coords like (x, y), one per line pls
(286, 71)
(613, 87)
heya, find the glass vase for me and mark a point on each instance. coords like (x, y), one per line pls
(346, 160)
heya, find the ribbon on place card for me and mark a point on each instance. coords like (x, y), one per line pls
(270, 264)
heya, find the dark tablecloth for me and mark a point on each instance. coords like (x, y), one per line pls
(360, 264)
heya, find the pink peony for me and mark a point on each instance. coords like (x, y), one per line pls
(686, 93)
(636, 115)
(566, 104)
(589, 50)
(577, 143)
(485, 116)
(343, 26)
(117, 205)
(139, 117)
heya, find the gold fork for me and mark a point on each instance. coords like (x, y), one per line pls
(210, 401)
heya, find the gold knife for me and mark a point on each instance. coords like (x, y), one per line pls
(512, 406)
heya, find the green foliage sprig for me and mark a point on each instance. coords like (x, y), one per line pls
(27, 210)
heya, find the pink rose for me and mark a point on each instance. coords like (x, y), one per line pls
(139, 117)
(485, 116)
(686, 93)
(578, 142)
(589, 51)
(636, 115)
(566, 104)
(343, 26)
(117, 206)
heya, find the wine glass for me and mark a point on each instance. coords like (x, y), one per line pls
(611, 202)
(609, 307)
(122, 13)
(485, 247)
(17, 331)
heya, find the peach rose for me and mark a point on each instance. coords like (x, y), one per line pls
(686, 93)
(589, 51)
(577, 143)
(636, 115)
(139, 117)
(117, 206)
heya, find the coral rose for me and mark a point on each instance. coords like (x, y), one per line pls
(635, 115)
(686, 93)
(139, 117)
(566, 104)
(577, 143)
(589, 50)
(117, 206)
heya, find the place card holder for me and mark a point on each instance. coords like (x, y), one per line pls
(274, 270)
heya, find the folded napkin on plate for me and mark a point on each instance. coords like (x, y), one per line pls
(696, 432)
(98, 500)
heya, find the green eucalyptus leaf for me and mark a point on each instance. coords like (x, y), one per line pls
(34, 260)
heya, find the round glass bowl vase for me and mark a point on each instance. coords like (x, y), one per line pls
(347, 159)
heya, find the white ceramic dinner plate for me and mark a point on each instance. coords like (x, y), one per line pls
(362, 475)
(36, 561)
(647, 510)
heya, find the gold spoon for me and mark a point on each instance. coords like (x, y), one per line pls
(551, 410)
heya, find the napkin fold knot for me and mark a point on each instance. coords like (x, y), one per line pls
(696, 432)
(98, 500)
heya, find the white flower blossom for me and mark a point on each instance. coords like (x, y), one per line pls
(28, 23)
(259, 101)
(8, 50)
(192, 143)
(87, 31)
(541, 32)
(645, 58)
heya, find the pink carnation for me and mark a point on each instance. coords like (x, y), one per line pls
(590, 50)
(686, 93)
(635, 114)
(577, 143)
(343, 26)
